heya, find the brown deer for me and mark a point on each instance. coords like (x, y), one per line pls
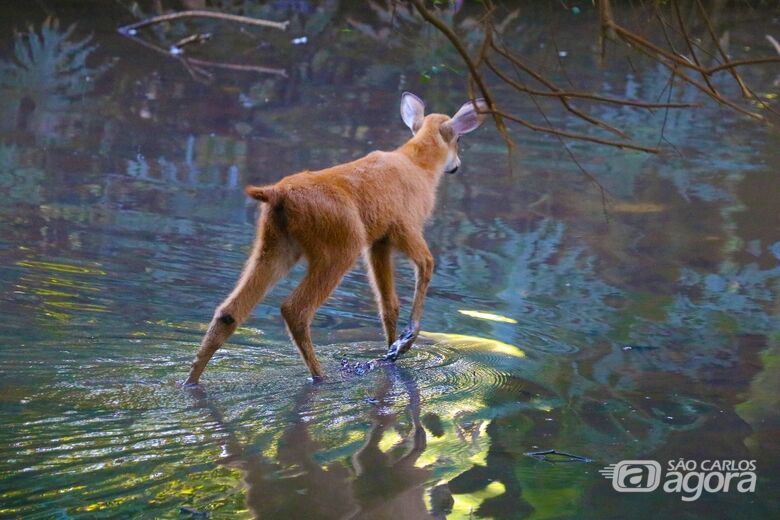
(372, 205)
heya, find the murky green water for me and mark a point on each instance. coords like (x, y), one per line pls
(649, 334)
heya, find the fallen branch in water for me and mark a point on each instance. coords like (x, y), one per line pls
(192, 39)
(128, 29)
(195, 65)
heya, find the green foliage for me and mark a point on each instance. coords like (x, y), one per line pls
(49, 67)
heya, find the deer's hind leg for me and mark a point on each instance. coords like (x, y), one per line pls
(273, 255)
(380, 269)
(323, 275)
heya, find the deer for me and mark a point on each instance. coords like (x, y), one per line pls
(372, 206)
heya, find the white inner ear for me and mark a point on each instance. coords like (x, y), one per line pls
(412, 111)
(467, 119)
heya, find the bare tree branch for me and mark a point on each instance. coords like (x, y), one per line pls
(723, 55)
(741, 63)
(689, 44)
(473, 71)
(675, 62)
(579, 137)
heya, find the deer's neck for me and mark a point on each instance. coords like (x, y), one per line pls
(426, 151)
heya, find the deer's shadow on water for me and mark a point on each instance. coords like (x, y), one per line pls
(371, 483)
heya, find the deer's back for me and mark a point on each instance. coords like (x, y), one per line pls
(366, 199)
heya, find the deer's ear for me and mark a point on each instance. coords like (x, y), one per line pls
(412, 111)
(467, 118)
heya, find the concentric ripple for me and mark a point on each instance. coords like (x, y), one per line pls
(122, 418)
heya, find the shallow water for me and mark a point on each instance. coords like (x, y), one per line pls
(646, 331)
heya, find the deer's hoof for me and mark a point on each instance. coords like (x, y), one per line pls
(404, 342)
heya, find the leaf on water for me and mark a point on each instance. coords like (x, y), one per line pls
(475, 343)
(487, 316)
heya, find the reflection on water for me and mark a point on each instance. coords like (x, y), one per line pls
(650, 334)
(382, 479)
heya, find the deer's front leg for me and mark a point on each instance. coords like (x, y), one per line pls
(415, 247)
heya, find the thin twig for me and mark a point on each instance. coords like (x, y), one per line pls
(586, 173)
(198, 38)
(522, 88)
(714, 95)
(203, 14)
(662, 137)
(195, 71)
(674, 63)
(556, 92)
(205, 63)
(240, 67)
(664, 24)
(741, 63)
(638, 41)
(688, 43)
(579, 137)
(723, 55)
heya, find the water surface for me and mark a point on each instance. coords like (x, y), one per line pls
(650, 332)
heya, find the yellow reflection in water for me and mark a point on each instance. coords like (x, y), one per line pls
(389, 439)
(73, 306)
(487, 316)
(63, 268)
(475, 343)
(464, 505)
(49, 292)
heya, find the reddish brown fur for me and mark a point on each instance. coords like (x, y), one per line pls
(371, 206)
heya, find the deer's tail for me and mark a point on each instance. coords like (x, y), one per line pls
(267, 194)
